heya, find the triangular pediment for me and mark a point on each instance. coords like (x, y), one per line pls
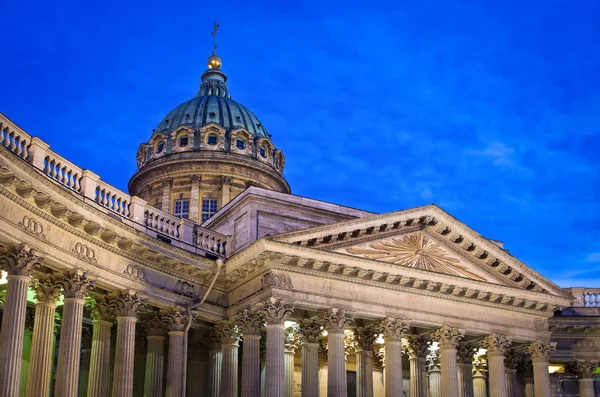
(425, 238)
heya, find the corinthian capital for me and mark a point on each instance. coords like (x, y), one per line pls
(466, 352)
(275, 311)
(47, 288)
(127, 302)
(364, 338)
(309, 331)
(154, 324)
(19, 260)
(584, 369)
(228, 331)
(76, 283)
(540, 350)
(250, 322)
(393, 329)
(496, 344)
(101, 308)
(335, 320)
(417, 346)
(448, 337)
(175, 319)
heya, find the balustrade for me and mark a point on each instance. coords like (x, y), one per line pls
(585, 297)
(162, 222)
(112, 199)
(211, 241)
(13, 138)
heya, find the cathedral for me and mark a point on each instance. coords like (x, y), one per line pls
(209, 278)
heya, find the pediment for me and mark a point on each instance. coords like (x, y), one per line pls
(426, 238)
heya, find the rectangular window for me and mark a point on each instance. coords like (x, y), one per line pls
(181, 208)
(158, 206)
(209, 207)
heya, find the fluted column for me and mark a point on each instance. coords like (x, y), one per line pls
(275, 311)
(323, 380)
(230, 339)
(335, 322)
(86, 352)
(102, 315)
(465, 353)
(167, 186)
(540, 354)
(195, 199)
(76, 285)
(176, 319)
(155, 355)
(496, 345)
(585, 369)
(310, 332)
(18, 260)
(291, 345)
(215, 359)
(127, 303)
(435, 377)
(47, 292)
(250, 324)
(480, 380)
(393, 330)
(448, 339)
(417, 347)
(139, 363)
(364, 337)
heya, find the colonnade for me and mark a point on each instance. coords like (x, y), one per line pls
(452, 375)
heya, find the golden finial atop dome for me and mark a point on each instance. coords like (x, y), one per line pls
(214, 61)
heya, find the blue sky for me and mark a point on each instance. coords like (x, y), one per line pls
(490, 109)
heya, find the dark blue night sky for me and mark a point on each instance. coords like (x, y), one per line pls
(490, 109)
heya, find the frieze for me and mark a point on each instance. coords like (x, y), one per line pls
(136, 273)
(33, 227)
(84, 252)
(276, 280)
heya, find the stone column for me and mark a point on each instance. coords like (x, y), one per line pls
(540, 354)
(76, 285)
(102, 315)
(250, 324)
(126, 303)
(479, 380)
(465, 353)
(155, 355)
(322, 380)
(417, 347)
(225, 189)
(18, 260)
(176, 319)
(275, 311)
(584, 369)
(27, 339)
(47, 292)
(335, 322)
(167, 185)
(448, 339)
(496, 345)
(86, 351)
(139, 364)
(364, 337)
(310, 332)
(194, 208)
(230, 339)
(215, 359)
(393, 330)
(511, 361)
(291, 344)
(435, 375)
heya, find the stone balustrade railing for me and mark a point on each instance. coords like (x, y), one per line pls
(585, 297)
(133, 210)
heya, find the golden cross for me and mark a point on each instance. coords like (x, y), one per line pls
(214, 33)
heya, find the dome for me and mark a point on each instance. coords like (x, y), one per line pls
(206, 109)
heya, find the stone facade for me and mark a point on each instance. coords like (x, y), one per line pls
(325, 300)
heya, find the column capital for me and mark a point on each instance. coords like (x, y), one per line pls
(541, 350)
(127, 302)
(417, 346)
(309, 331)
(212, 339)
(250, 322)
(20, 259)
(175, 318)
(512, 359)
(291, 339)
(584, 369)
(47, 288)
(228, 331)
(167, 183)
(466, 352)
(76, 283)
(335, 320)
(154, 324)
(393, 329)
(364, 337)
(275, 311)
(196, 179)
(101, 308)
(448, 337)
(496, 344)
